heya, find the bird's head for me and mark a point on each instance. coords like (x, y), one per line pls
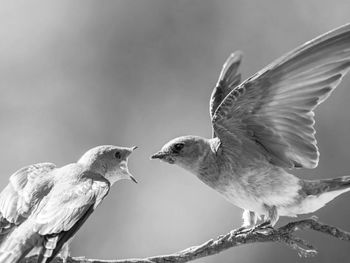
(185, 151)
(109, 161)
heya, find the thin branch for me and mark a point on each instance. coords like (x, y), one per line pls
(235, 238)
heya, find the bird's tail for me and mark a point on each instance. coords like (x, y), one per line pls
(316, 193)
(46, 254)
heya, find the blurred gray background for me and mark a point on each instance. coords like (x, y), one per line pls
(76, 74)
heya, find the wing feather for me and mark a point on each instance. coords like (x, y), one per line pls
(15, 200)
(66, 208)
(275, 107)
(18, 198)
(63, 208)
(229, 78)
(66, 203)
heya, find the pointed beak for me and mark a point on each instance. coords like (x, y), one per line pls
(159, 155)
(164, 156)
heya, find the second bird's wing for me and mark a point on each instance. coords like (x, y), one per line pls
(65, 210)
(21, 194)
(274, 108)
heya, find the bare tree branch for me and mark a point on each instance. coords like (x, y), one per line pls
(235, 238)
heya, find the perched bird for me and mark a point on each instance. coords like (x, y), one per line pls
(263, 127)
(44, 206)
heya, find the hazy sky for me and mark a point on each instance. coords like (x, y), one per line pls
(76, 74)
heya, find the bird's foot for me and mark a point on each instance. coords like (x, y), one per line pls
(243, 230)
(263, 228)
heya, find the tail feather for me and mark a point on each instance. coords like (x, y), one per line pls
(46, 253)
(317, 187)
(317, 193)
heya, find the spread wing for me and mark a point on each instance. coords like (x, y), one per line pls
(21, 195)
(229, 78)
(274, 108)
(65, 209)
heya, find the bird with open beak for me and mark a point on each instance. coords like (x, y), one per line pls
(44, 206)
(263, 127)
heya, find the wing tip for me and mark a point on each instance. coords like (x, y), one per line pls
(231, 64)
(234, 57)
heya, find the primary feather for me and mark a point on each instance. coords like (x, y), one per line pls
(274, 108)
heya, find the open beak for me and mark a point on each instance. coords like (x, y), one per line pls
(125, 168)
(126, 173)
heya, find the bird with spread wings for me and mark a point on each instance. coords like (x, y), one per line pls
(263, 127)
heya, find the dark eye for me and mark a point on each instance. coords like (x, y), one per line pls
(117, 155)
(178, 147)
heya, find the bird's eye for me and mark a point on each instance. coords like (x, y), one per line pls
(178, 147)
(117, 155)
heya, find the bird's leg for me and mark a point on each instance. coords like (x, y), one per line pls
(272, 216)
(270, 220)
(249, 221)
